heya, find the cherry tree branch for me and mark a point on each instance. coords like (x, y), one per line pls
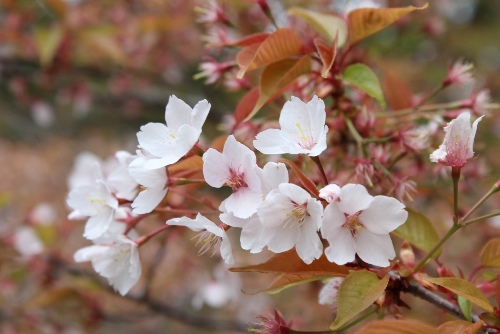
(154, 305)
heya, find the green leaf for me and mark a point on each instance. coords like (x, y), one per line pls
(356, 293)
(277, 76)
(418, 231)
(465, 307)
(362, 77)
(462, 288)
(490, 255)
(328, 25)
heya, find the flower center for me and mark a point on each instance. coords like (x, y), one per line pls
(208, 242)
(236, 180)
(296, 217)
(304, 140)
(353, 223)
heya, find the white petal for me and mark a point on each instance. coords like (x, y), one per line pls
(192, 224)
(86, 254)
(317, 114)
(243, 203)
(157, 139)
(314, 213)
(333, 219)
(354, 198)
(271, 141)
(97, 225)
(376, 249)
(215, 168)
(177, 113)
(342, 247)
(271, 176)
(279, 239)
(237, 154)
(225, 247)
(309, 246)
(199, 114)
(295, 112)
(473, 135)
(439, 154)
(151, 178)
(384, 215)
(148, 200)
(251, 235)
(231, 220)
(294, 192)
(320, 143)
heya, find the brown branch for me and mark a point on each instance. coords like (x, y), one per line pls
(166, 310)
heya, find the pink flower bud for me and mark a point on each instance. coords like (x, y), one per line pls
(330, 193)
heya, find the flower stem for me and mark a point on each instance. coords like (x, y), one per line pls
(142, 240)
(422, 262)
(455, 175)
(475, 220)
(320, 167)
(493, 190)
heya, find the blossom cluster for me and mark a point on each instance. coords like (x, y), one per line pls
(270, 211)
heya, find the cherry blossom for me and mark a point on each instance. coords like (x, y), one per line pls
(119, 262)
(460, 73)
(330, 192)
(211, 237)
(234, 167)
(153, 182)
(303, 129)
(97, 203)
(121, 184)
(291, 217)
(457, 147)
(360, 224)
(27, 242)
(328, 293)
(168, 143)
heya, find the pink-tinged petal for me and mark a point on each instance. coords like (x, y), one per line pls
(294, 192)
(354, 198)
(251, 235)
(86, 254)
(439, 154)
(215, 168)
(282, 238)
(151, 178)
(330, 193)
(320, 143)
(384, 215)
(177, 113)
(295, 112)
(317, 114)
(250, 176)
(199, 114)
(376, 249)
(231, 220)
(309, 246)
(333, 219)
(271, 141)
(193, 224)
(157, 139)
(274, 211)
(342, 247)
(243, 203)
(314, 213)
(237, 154)
(148, 200)
(97, 225)
(271, 176)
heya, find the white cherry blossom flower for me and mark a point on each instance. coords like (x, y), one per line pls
(97, 203)
(234, 167)
(457, 147)
(328, 293)
(119, 180)
(211, 237)
(303, 129)
(271, 176)
(119, 262)
(360, 224)
(153, 182)
(291, 218)
(168, 143)
(330, 192)
(27, 242)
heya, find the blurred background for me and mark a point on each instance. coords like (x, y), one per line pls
(84, 75)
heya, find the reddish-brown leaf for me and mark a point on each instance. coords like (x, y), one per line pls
(276, 77)
(327, 54)
(246, 104)
(306, 182)
(364, 22)
(285, 281)
(290, 263)
(397, 91)
(249, 40)
(281, 44)
(460, 326)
